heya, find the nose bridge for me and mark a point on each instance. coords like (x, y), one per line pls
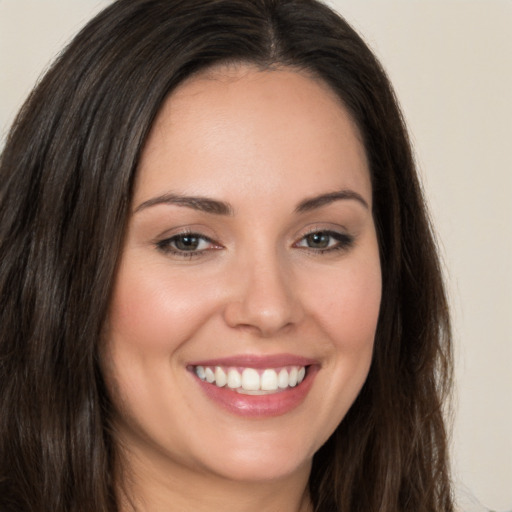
(265, 296)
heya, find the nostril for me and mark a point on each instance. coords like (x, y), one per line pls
(264, 322)
(262, 298)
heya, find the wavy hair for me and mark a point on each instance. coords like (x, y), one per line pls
(66, 180)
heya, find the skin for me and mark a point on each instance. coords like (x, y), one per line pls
(264, 142)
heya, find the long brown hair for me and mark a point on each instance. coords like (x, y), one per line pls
(66, 181)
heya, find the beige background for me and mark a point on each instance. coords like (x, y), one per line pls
(451, 63)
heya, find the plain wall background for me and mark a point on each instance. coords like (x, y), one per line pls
(451, 64)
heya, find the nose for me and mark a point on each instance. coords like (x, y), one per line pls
(264, 297)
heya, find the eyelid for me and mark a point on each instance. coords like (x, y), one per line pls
(344, 239)
(324, 227)
(164, 244)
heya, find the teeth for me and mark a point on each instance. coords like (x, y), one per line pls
(220, 377)
(269, 380)
(234, 379)
(210, 376)
(252, 381)
(282, 379)
(200, 372)
(292, 377)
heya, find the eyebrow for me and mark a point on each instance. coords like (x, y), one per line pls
(203, 204)
(325, 199)
(208, 205)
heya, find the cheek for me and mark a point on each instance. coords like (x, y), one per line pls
(347, 305)
(157, 309)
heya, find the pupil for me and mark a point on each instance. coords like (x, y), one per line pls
(318, 240)
(187, 243)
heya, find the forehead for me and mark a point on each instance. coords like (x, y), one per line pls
(263, 127)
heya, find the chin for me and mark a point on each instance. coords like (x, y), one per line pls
(269, 469)
(261, 458)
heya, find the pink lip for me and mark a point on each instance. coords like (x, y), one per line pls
(258, 362)
(259, 406)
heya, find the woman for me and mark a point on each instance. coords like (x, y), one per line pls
(218, 280)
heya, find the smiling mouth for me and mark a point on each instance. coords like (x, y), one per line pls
(252, 381)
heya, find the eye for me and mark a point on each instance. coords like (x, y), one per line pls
(323, 241)
(187, 244)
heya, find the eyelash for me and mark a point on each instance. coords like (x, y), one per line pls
(343, 241)
(167, 246)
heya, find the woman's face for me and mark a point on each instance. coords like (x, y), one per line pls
(244, 311)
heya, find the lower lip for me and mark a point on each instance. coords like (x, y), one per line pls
(260, 406)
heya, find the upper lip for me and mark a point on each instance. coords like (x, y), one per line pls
(257, 361)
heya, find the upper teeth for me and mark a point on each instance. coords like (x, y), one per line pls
(251, 380)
